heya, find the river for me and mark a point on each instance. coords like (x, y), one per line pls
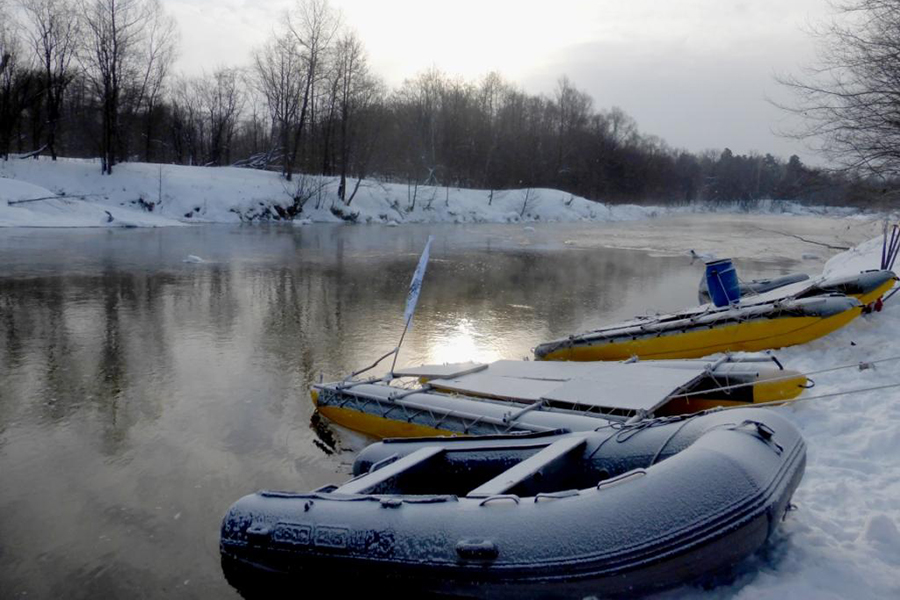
(140, 395)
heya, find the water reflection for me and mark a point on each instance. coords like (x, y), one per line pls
(141, 395)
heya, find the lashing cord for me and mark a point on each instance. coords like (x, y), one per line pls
(862, 366)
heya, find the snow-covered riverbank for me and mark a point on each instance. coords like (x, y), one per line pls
(843, 541)
(145, 194)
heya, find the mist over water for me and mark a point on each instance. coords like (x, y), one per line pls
(140, 395)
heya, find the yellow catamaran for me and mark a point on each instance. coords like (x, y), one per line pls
(790, 315)
(528, 396)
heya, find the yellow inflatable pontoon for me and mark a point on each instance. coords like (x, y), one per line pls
(793, 314)
(510, 396)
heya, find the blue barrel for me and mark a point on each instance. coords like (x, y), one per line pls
(722, 280)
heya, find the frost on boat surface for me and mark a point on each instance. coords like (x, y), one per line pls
(509, 396)
(621, 510)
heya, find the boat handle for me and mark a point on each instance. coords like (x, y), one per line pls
(554, 495)
(325, 489)
(621, 478)
(512, 497)
(382, 463)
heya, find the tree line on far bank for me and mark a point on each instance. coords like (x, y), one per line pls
(86, 78)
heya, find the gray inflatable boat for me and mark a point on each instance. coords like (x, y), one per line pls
(625, 509)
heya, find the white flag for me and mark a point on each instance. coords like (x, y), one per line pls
(416, 284)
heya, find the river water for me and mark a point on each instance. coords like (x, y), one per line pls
(141, 394)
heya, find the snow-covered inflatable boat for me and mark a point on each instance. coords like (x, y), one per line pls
(618, 511)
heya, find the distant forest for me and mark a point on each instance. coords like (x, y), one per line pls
(88, 78)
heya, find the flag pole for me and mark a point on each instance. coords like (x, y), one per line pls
(412, 298)
(400, 343)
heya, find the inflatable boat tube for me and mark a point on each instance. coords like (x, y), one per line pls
(701, 332)
(867, 286)
(374, 410)
(532, 396)
(620, 511)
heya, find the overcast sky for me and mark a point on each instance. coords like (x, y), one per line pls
(694, 72)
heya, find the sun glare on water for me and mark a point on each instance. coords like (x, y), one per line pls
(460, 342)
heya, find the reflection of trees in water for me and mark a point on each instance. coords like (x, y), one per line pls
(334, 315)
(34, 325)
(223, 305)
(327, 302)
(88, 335)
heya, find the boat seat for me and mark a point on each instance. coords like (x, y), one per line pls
(549, 459)
(374, 481)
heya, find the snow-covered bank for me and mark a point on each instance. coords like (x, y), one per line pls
(231, 195)
(843, 541)
(24, 204)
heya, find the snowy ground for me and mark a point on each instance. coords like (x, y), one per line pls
(843, 540)
(166, 194)
(24, 204)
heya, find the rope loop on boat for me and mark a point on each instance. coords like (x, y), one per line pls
(624, 431)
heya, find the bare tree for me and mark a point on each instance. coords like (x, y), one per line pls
(276, 67)
(849, 100)
(53, 31)
(573, 109)
(255, 127)
(16, 81)
(116, 40)
(314, 25)
(5, 38)
(353, 94)
(490, 96)
(370, 120)
(187, 122)
(159, 53)
(223, 101)
(529, 198)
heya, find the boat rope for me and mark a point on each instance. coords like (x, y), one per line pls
(889, 248)
(623, 431)
(891, 294)
(862, 366)
(372, 366)
(816, 397)
(666, 443)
